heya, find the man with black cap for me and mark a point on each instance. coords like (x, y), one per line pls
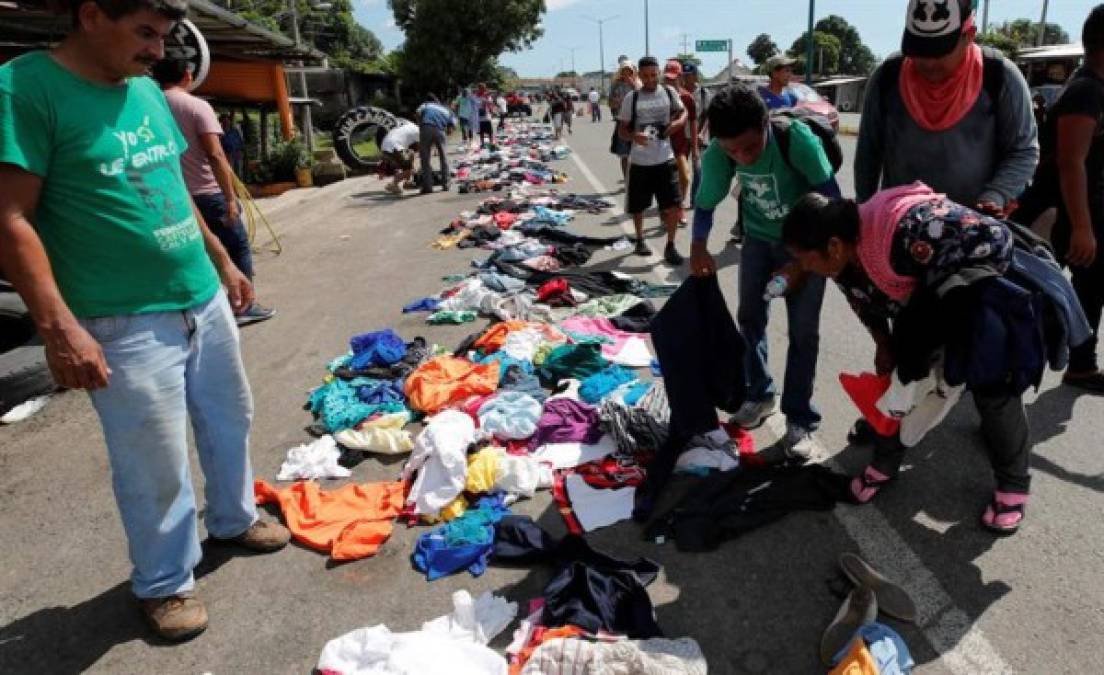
(780, 70)
(949, 113)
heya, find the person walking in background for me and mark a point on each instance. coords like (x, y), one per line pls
(556, 110)
(207, 172)
(502, 107)
(623, 84)
(483, 107)
(680, 142)
(649, 118)
(435, 122)
(776, 93)
(233, 144)
(464, 112)
(132, 294)
(690, 82)
(595, 100)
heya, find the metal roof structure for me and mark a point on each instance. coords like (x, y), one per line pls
(1049, 52)
(30, 24)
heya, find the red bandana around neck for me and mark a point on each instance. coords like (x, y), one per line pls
(940, 106)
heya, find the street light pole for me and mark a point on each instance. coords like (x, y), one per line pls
(1042, 25)
(601, 47)
(809, 47)
(647, 34)
(308, 123)
(985, 18)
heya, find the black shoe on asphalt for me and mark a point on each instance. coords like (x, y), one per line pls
(642, 248)
(255, 314)
(672, 256)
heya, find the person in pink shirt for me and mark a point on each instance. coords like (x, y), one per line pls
(207, 172)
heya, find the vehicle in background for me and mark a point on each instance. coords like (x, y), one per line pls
(808, 99)
(1049, 92)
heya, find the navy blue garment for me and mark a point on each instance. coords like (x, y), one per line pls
(382, 391)
(379, 348)
(515, 378)
(1001, 345)
(726, 505)
(701, 355)
(1066, 325)
(592, 590)
(423, 305)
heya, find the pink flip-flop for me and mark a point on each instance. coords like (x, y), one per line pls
(1005, 513)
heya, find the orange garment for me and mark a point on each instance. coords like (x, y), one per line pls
(492, 341)
(940, 106)
(858, 661)
(544, 636)
(445, 380)
(349, 523)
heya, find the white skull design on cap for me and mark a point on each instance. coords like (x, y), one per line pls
(934, 18)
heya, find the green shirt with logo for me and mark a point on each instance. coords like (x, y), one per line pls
(114, 214)
(770, 186)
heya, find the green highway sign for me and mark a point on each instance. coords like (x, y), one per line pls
(711, 45)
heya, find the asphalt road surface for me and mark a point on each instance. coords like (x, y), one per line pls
(1033, 603)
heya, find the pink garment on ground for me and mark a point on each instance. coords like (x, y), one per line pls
(603, 327)
(543, 263)
(196, 118)
(879, 217)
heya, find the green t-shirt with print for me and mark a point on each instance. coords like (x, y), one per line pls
(770, 186)
(114, 214)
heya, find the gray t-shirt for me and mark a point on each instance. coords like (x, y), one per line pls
(654, 112)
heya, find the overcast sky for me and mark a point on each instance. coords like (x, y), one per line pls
(879, 22)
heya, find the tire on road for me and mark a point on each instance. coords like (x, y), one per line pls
(361, 122)
(23, 376)
(16, 327)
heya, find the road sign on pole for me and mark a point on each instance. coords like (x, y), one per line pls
(712, 45)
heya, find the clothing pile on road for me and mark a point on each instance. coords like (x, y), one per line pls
(520, 155)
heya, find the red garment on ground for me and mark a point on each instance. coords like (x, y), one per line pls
(349, 523)
(505, 220)
(865, 390)
(556, 292)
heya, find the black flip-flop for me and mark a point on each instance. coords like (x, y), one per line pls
(1093, 383)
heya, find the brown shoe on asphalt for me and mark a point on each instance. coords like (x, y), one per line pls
(858, 610)
(263, 537)
(893, 600)
(175, 618)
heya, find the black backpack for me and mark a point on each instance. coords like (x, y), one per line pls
(992, 77)
(781, 120)
(671, 96)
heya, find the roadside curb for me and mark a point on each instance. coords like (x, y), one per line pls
(845, 130)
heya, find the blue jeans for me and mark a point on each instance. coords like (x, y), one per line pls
(168, 367)
(759, 261)
(234, 238)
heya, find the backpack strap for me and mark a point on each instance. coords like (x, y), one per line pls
(782, 138)
(888, 77)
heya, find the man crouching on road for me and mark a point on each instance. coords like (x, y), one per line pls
(126, 287)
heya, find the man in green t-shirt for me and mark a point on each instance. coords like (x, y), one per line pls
(746, 146)
(125, 285)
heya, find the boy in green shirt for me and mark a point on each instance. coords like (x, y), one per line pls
(125, 284)
(746, 146)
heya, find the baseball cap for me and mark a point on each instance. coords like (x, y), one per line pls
(673, 70)
(689, 68)
(779, 61)
(933, 27)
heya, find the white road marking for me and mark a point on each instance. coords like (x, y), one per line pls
(962, 647)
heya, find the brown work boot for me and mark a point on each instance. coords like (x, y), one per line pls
(262, 536)
(175, 618)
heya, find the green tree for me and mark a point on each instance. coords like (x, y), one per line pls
(449, 45)
(566, 75)
(762, 48)
(855, 57)
(826, 53)
(999, 41)
(1025, 33)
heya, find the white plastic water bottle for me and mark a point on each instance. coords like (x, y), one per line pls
(776, 287)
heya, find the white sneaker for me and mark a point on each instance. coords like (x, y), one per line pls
(799, 442)
(752, 414)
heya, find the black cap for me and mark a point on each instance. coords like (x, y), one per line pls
(934, 27)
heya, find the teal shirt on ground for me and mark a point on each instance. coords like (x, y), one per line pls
(114, 214)
(770, 186)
